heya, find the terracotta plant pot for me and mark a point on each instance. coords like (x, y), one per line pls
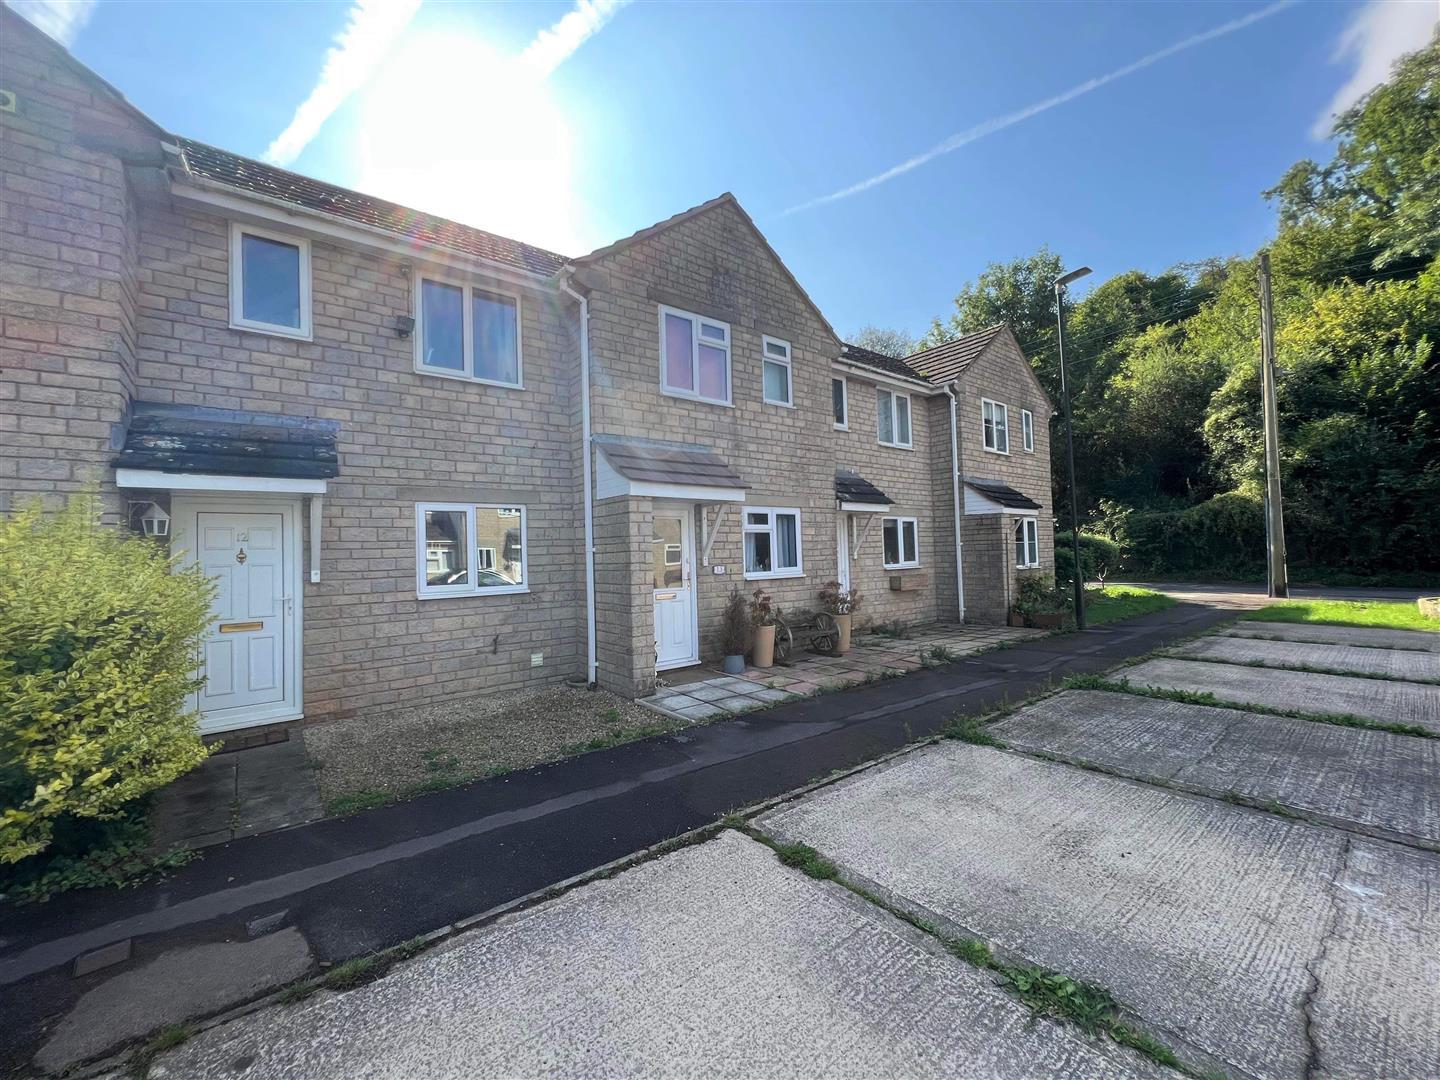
(1016, 619)
(842, 624)
(763, 655)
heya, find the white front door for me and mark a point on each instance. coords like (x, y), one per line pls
(672, 560)
(250, 653)
(842, 551)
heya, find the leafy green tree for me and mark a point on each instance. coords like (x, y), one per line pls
(1020, 293)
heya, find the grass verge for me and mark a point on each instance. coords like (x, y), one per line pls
(1046, 993)
(1191, 697)
(1116, 602)
(1386, 614)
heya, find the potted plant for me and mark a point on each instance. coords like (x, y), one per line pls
(734, 632)
(1037, 603)
(842, 603)
(763, 616)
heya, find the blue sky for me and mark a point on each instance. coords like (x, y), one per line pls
(570, 125)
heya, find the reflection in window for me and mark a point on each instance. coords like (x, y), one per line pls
(900, 542)
(471, 549)
(772, 543)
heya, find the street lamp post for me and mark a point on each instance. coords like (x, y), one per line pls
(1060, 283)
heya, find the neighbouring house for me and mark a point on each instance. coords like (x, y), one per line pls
(423, 460)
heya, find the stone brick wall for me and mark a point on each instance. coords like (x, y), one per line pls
(1000, 373)
(713, 265)
(67, 289)
(405, 438)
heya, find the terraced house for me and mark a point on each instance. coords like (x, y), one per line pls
(423, 460)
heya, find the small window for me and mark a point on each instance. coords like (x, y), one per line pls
(269, 282)
(467, 333)
(1027, 430)
(840, 403)
(995, 420)
(900, 540)
(772, 543)
(1027, 544)
(892, 414)
(469, 550)
(694, 356)
(778, 386)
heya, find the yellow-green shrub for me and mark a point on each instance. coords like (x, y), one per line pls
(99, 636)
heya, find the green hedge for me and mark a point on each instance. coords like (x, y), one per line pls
(1222, 538)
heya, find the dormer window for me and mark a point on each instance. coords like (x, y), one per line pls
(269, 282)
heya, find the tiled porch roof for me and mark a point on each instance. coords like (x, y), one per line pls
(851, 487)
(1003, 494)
(670, 463)
(193, 439)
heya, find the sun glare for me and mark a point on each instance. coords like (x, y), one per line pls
(453, 127)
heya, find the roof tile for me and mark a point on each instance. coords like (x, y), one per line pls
(944, 362)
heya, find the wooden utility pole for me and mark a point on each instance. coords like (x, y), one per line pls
(1275, 572)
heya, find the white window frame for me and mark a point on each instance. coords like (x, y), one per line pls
(765, 358)
(425, 591)
(1027, 430)
(840, 425)
(695, 343)
(998, 409)
(798, 570)
(900, 523)
(467, 332)
(238, 321)
(1030, 531)
(895, 395)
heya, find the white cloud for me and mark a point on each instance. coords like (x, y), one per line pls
(554, 45)
(454, 127)
(1381, 32)
(371, 30)
(1000, 123)
(61, 19)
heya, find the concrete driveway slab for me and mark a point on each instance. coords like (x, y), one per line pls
(715, 960)
(1374, 637)
(1202, 918)
(1327, 695)
(1379, 982)
(1368, 781)
(1392, 663)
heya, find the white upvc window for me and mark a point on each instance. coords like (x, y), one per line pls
(840, 403)
(1027, 544)
(777, 380)
(466, 332)
(269, 282)
(694, 356)
(892, 415)
(469, 549)
(995, 420)
(900, 542)
(772, 542)
(1027, 430)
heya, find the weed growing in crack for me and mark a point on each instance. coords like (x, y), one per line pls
(970, 729)
(806, 859)
(165, 1039)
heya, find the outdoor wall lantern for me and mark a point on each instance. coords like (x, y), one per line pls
(155, 522)
(404, 325)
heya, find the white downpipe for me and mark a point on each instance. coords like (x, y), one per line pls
(591, 665)
(952, 392)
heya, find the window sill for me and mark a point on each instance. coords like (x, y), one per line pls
(697, 399)
(512, 591)
(901, 566)
(842, 427)
(992, 450)
(288, 332)
(781, 404)
(441, 373)
(896, 445)
(776, 576)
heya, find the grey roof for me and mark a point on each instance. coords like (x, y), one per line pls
(193, 439)
(854, 488)
(944, 362)
(880, 362)
(669, 463)
(235, 171)
(1003, 494)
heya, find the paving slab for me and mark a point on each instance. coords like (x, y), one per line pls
(1391, 663)
(1374, 637)
(714, 961)
(1378, 985)
(1328, 695)
(1203, 918)
(176, 986)
(1368, 781)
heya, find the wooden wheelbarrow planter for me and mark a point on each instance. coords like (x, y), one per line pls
(813, 630)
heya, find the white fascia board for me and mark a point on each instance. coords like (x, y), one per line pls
(156, 480)
(259, 209)
(909, 386)
(686, 492)
(866, 508)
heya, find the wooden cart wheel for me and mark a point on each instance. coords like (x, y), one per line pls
(784, 643)
(827, 640)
